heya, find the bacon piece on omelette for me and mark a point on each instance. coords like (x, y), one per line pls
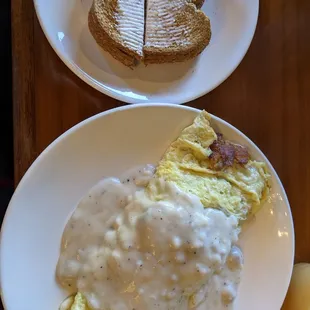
(225, 153)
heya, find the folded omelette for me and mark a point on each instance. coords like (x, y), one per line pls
(219, 172)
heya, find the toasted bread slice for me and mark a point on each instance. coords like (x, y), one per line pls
(175, 31)
(118, 27)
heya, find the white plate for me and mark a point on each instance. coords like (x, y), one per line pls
(107, 144)
(233, 27)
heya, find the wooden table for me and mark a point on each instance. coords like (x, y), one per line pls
(267, 97)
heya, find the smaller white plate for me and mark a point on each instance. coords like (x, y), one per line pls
(233, 25)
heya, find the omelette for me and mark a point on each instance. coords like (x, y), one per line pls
(219, 172)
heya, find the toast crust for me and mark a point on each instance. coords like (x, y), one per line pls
(198, 3)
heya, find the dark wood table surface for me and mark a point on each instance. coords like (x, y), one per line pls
(267, 97)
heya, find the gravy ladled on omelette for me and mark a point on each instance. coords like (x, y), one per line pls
(166, 234)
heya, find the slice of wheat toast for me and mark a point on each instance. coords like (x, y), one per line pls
(175, 31)
(118, 28)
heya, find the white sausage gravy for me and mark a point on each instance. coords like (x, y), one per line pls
(123, 251)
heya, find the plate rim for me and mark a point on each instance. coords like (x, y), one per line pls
(89, 80)
(76, 127)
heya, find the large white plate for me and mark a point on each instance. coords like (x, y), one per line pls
(233, 27)
(107, 144)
